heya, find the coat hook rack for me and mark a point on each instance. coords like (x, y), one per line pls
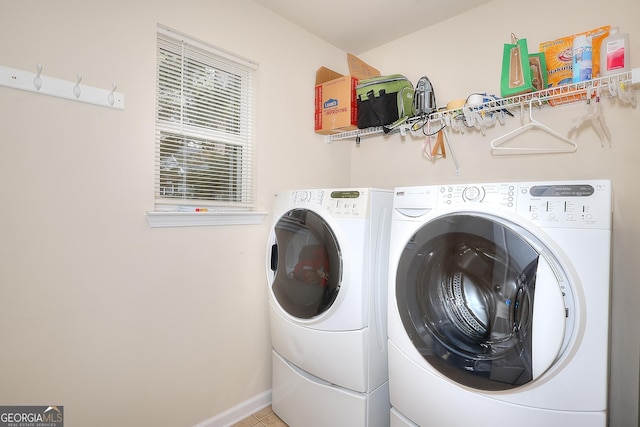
(36, 82)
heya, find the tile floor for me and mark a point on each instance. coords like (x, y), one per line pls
(264, 417)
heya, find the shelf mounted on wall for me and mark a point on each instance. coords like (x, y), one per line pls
(617, 85)
(67, 89)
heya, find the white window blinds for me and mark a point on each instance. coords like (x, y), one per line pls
(204, 119)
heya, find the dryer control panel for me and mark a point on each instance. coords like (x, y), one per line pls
(569, 204)
(347, 203)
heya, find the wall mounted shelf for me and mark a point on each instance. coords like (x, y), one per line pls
(615, 85)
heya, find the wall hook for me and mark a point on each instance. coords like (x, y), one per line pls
(76, 88)
(37, 81)
(111, 97)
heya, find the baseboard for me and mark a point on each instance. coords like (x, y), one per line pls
(238, 412)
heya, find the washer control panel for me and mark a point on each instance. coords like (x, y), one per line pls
(580, 204)
(348, 203)
(577, 204)
(500, 194)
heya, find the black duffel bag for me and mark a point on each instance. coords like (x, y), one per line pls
(384, 101)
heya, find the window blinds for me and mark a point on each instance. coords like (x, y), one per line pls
(204, 119)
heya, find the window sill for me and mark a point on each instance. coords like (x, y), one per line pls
(198, 219)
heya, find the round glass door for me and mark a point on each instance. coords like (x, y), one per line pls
(307, 264)
(465, 293)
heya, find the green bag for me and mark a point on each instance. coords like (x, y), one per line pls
(384, 101)
(516, 73)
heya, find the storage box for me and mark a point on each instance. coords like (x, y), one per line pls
(336, 107)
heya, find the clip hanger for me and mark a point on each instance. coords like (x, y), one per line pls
(593, 115)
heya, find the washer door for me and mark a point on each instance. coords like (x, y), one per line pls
(306, 262)
(479, 302)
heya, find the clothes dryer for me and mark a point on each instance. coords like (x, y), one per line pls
(499, 304)
(327, 261)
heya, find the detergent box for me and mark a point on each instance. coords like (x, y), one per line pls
(558, 55)
(336, 108)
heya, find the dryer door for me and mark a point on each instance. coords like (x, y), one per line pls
(306, 263)
(469, 288)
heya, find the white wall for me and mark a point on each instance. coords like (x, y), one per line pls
(120, 323)
(123, 324)
(464, 55)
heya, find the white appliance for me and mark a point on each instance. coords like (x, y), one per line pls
(499, 304)
(327, 261)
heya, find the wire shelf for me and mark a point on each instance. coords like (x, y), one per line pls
(564, 94)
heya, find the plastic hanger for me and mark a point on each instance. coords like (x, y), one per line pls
(427, 144)
(594, 116)
(498, 143)
(433, 151)
(430, 150)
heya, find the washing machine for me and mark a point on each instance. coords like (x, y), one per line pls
(327, 270)
(499, 299)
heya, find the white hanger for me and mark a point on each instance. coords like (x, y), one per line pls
(593, 116)
(497, 144)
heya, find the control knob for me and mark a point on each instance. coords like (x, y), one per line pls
(472, 194)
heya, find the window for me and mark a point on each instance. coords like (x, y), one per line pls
(204, 120)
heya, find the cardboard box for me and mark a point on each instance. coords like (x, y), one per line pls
(336, 109)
